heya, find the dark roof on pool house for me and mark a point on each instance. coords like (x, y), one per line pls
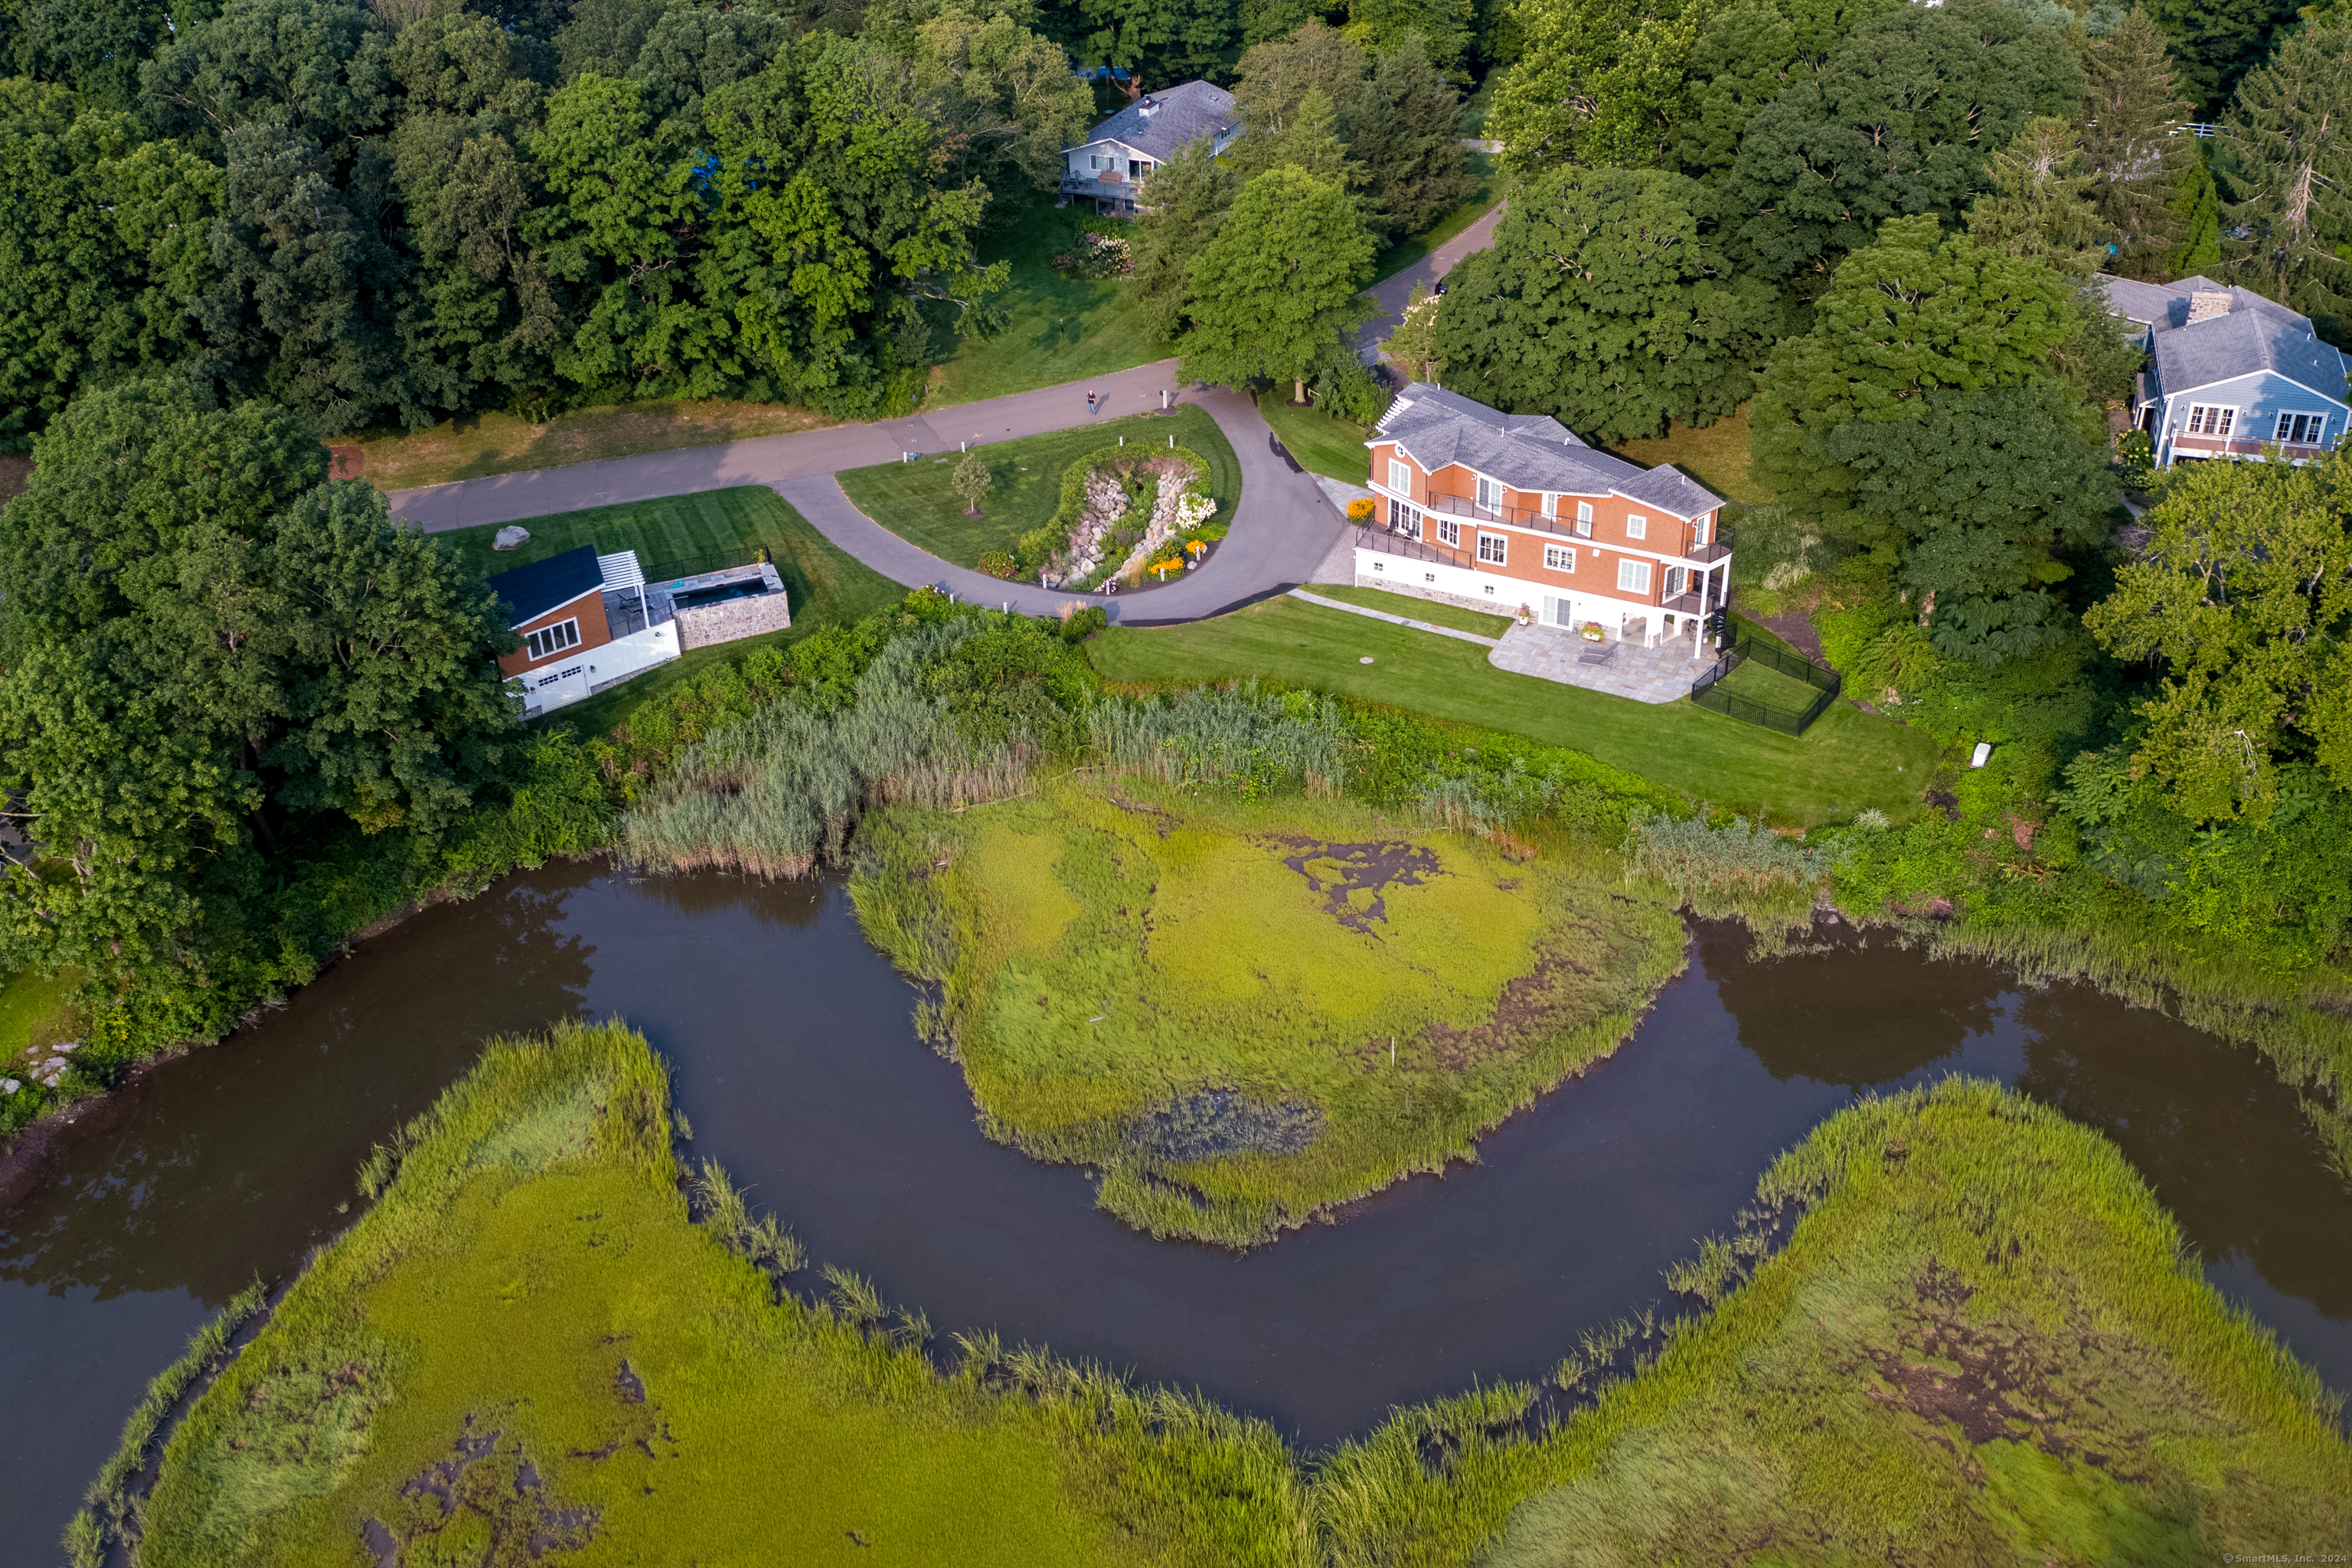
(543, 586)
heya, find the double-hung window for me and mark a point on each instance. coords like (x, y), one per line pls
(1634, 577)
(1098, 161)
(1491, 547)
(1404, 519)
(1636, 526)
(2206, 419)
(1584, 519)
(1399, 477)
(2301, 429)
(549, 641)
(1490, 496)
(1560, 557)
(1449, 532)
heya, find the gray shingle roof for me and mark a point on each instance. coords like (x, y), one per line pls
(1529, 452)
(1158, 123)
(2257, 334)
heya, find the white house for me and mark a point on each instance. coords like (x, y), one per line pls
(1117, 154)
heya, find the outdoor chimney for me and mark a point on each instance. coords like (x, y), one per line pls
(2206, 303)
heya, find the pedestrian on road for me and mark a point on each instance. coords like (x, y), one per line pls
(1090, 405)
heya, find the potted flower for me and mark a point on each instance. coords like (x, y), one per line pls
(1527, 617)
(1592, 632)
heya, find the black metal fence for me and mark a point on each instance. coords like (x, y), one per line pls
(1707, 690)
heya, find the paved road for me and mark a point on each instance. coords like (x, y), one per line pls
(1392, 293)
(1284, 527)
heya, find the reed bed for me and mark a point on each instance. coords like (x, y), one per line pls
(1237, 737)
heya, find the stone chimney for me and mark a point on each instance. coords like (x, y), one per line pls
(2206, 303)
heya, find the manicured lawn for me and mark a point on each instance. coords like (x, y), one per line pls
(1761, 683)
(1322, 444)
(1493, 186)
(917, 501)
(532, 1284)
(1848, 760)
(827, 587)
(1436, 613)
(1060, 329)
(1715, 457)
(480, 444)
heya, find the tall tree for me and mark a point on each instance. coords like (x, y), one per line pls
(1309, 141)
(2244, 598)
(1604, 304)
(319, 69)
(1745, 55)
(1914, 313)
(1444, 27)
(2290, 173)
(2135, 145)
(1599, 82)
(1274, 293)
(2216, 42)
(1400, 125)
(1008, 89)
(1163, 41)
(1185, 205)
(1274, 77)
(2039, 204)
(1975, 498)
(1900, 121)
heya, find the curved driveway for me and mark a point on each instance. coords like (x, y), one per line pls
(1281, 532)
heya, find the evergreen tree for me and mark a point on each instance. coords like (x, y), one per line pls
(1184, 202)
(2290, 175)
(1275, 76)
(1163, 41)
(2196, 207)
(1309, 141)
(1603, 304)
(1274, 293)
(2214, 43)
(2135, 146)
(2039, 204)
(1400, 126)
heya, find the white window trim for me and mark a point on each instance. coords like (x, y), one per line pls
(1626, 569)
(1481, 488)
(2278, 426)
(1502, 542)
(1560, 557)
(1404, 518)
(1584, 520)
(1400, 476)
(1449, 532)
(549, 632)
(1701, 526)
(2228, 421)
(1636, 526)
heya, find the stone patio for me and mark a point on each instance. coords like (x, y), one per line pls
(1661, 674)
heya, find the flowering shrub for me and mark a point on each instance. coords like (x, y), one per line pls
(997, 563)
(1095, 256)
(1359, 512)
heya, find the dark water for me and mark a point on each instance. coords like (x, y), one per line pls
(797, 1064)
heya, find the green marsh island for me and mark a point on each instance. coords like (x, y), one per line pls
(549, 1341)
(1245, 1012)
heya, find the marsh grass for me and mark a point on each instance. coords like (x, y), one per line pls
(1244, 1003)
(1982, 1343)
(533, 1280)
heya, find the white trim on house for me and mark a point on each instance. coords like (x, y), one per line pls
(547, 641)
(1445, 521)
(2211, 421)
(2279, 436)
(2255, 376)
(1398, 442)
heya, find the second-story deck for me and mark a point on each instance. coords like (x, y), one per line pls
(1529, 518)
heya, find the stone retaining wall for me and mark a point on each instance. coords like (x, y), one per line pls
(735, 619)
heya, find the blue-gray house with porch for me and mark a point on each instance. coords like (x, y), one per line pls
(2229, 373)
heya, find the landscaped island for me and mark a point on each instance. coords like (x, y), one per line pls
(1979, 1343)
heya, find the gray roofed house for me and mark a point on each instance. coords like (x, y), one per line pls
(2231, 372)
(1117, 154)
(1529, 452)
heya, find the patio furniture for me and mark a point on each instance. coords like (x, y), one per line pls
(1599, 653)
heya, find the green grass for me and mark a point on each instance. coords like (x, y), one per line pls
(918, 502)
(1058, 329)
(1716, 457)
(1121, 953)
(1760, 683)
(1847, 761)
(1430, 610)
(1983, 1343)
(533, 1244)
(475, 445)
(35, 1014)
(1493, 186)
(827, 585)
(1322, 444)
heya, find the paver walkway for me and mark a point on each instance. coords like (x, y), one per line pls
(1367, 611)
(1660, 674)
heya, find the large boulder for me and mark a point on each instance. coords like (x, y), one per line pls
(512, 538)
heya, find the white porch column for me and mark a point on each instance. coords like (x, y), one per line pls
(1699, 628)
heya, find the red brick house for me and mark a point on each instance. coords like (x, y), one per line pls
(556, 606)
(1512, 511)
